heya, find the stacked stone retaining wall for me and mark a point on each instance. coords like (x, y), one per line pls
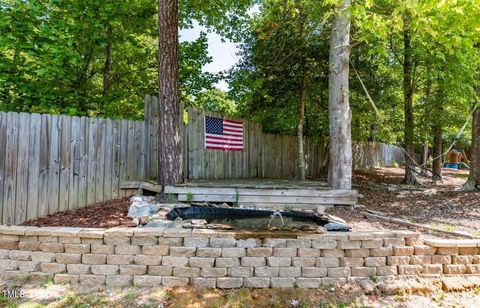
(120, 257)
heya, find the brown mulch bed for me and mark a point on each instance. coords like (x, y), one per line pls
(108, 214)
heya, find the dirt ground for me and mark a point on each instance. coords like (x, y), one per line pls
(446, 209)
(51, 295)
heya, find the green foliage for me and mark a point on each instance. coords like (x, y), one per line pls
(215, 100)
(170, 198)
(189, 197)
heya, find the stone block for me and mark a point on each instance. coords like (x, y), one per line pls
(259, 252)
(351, 262)
(119, 281)
(357, 253)
(94, 258)
(183, 251)
(373, 243)
(4, 254)
(442, 259)
(432, 269)
(133, 269)
(196, 242)
(69, 240)
(68, 258)
(285, 252)
(204, 233)
(157, 250)
(282, 282)
(274, 242)
(48, 239)
(303, 262)
(298, 243)
(190, 272)
(6, 264)
(227, 262)
(15, 230)
(256, 282)
(469, 268)
(381, 252)
(9, 245)
(52, 268)
(253, 261)
(174, 261)
(308, 252)
(147, 281)
(91, 233)
(333, 253)
(403, 251)
(424, 250)
(120, 259)
(14, 276)
(28, 266)
(229, 282)
(279, 261)
(232, 252)
(26, 238)
(266, 271)
(454, 269)
(211, 252)
(240, 272)
(467, 251)
(30, 246)
(459, 259)
(360, 236)
(160, 270)
(104, 269)
(204, 283)
(154, 231)
(314, 272)
(328, 262)
(213, 272)
(339, 272)
(144, 240)
(78, 268)
(177, 232)
(65, 279)
(170, 241)
(92, 241)
(386, 271)
(20, 255)
(102, 249)
(248, 243)
(51, 247)
(375, 261)
(77, 248)
(201, 262)
(119, 232)
(410, 269)
(117, 240)
(447, 251)
(349, 244)
(223, 242)
(363, 271)
(43, 257)
(324, 244)
(398, 260)
(476, 259)
(127, 250)
(393, 242)
(147, 259)
(289, 271)
(419, 259)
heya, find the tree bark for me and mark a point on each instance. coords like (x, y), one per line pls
(169, 154)
(473, 182)
(437, 148)
(424, 162)
(410, 178)
(107, 68)
(339, 113)
(301, 123)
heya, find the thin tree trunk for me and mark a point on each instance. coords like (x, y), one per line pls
(437, 148)
(473, 182)
(107, 68)
(301, 122)
(169, 158)
(339, 113)
(424, 158)
(408, 105)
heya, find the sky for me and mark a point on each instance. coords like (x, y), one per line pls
(223, 53)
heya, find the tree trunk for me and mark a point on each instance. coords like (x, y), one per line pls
(169, 154)
(301, 122)
(473, 182)
(437, 148)
(373, 132)
(107, 68)
(339, 113)
(408, 105)
(424, 159)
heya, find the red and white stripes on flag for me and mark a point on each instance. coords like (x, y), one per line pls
(223, 134)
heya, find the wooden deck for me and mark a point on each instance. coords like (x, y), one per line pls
(262, 193)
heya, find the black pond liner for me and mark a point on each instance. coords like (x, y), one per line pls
(210, 214)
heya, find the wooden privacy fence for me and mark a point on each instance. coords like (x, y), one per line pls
(52, 163)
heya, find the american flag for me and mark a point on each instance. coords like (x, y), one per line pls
(223, 134)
